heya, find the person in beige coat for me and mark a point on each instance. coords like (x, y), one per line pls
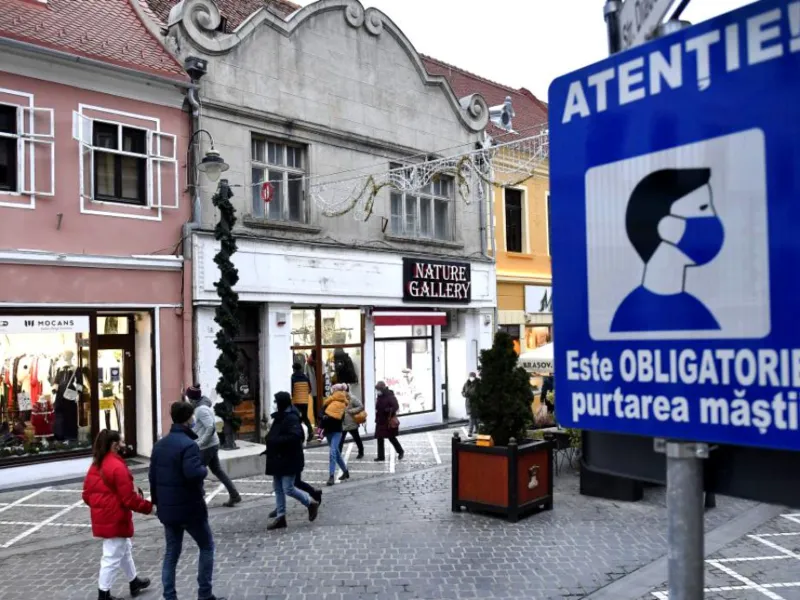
(349, 425)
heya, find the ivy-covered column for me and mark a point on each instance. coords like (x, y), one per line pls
(226, 315)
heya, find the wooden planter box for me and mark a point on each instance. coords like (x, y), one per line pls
(499, 479)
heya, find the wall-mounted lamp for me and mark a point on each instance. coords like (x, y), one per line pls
(212, 164)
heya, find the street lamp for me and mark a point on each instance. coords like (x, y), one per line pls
(212, 164)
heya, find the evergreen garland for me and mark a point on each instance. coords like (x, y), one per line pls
(503, 396)
(225, 315)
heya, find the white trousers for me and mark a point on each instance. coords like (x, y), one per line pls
(116, 554)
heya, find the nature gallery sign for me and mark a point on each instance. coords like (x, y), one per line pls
(436, 281)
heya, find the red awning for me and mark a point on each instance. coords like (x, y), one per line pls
(410, 318)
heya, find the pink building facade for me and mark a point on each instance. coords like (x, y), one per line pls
(95, 294)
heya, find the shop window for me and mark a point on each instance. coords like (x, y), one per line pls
(514, 219)
(328, 344)
(426, 213)
(283, 165)
(9, 139)
(535, 337)
(45, 401)
(404, 361)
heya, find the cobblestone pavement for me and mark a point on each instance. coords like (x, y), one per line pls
(762, 565)
(393, 537)
(30, 516)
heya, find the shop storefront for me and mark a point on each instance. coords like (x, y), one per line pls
(355, 317)
(66, 375)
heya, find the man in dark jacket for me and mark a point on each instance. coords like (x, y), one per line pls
(468, 391)
(176, 487)
(285, 460)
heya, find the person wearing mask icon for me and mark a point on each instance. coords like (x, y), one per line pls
(673, 226)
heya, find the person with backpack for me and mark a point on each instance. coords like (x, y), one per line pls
(335, 407)
(109, 492)
(285, 460)
(205, 426)
(354, 415)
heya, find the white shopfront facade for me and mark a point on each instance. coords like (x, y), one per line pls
(343, 312)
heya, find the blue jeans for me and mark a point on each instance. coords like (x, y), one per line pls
(201, 534)
(334, 437)
(284, 486)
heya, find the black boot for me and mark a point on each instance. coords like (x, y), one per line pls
(101, 595)
(313, 511)
(360, 455)
(273, 514)
(317, 495)
(279, 523)
(138, 585)
(233, 501)
(331, 481)
(345, 476)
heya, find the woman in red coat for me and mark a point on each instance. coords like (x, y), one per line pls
(110, 494)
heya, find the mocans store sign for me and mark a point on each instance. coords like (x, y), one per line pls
(436, 281)
(44, 324)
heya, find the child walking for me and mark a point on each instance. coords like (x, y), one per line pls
(109, 492)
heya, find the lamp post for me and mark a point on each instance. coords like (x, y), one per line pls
(225, 315)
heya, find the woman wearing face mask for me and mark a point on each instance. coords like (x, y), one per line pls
(109, 492)
(672, 225)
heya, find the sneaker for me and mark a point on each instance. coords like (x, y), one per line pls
(279, 523)
(138, 585)
(313, 511)
(233, 501)
(345, 476)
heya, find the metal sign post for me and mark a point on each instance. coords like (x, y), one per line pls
(685, 533)
(673, 231)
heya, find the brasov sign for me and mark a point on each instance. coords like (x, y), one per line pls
(674, 173)
(431, 280)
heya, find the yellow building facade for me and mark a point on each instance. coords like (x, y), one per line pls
(522, 246)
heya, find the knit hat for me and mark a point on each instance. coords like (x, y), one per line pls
(339, 387)
(283, 400)
(193, 392)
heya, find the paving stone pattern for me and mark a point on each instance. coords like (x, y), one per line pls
(395, 538)
(31, 516)
(762, 565)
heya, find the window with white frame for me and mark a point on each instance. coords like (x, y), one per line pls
(427, 213)
(283, 166)
(123, 163)
(9, 138)
(27, 161)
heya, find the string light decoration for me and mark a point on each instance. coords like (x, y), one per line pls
(505, 164)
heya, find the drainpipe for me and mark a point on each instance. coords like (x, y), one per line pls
(492, 238)
(192, 96)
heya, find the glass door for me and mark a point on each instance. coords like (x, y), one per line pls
(116, 383)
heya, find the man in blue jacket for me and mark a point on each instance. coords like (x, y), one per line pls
(176, 488)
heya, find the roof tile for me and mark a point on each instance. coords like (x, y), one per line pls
(235, 11)
(530, 112)
(105, 30)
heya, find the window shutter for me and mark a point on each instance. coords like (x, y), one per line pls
(162, 170)
(37, 137)
(82, 132)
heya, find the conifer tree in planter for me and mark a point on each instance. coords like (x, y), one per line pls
(225, 316)
(514, 476)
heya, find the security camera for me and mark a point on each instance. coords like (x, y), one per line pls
(196, 67)
(502, 114)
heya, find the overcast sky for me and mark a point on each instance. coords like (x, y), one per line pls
(520, 43)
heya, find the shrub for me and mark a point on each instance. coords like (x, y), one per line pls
(503, 395)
